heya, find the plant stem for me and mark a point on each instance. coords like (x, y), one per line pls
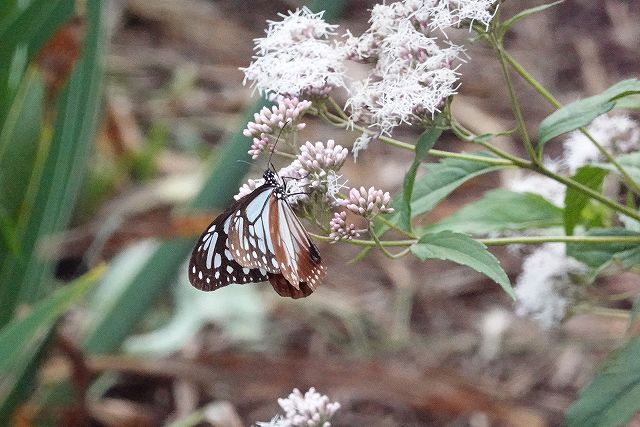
(502, 241)
(515, 105)
(395, 227)
(626, 178)
(533, 240)
(540, 168)
(338, 122)
(588, 191)
(466, 135)
(380, 246)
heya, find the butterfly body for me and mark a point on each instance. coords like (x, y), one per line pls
(258, 238)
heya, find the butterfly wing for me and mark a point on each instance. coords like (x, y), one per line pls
(212, 265)
(249, 237)
(256, 239)
(267, 234)
(298, 258)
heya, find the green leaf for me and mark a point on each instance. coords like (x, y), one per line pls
(442, 179)
(58, 171)
(506, 25)
(581, 113)
(21, 339)
(575, 201)
(23, 31)
(424, 144)
(629, 162)
(464, 250)
(501, 210)
(20, 141)
(601, 255)
(631, 102)
(613, 396)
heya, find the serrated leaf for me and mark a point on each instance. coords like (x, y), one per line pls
(601, 255)
(501, 210)
(506, 25)
(581, 113)
(21, 339)
(575, 201)
(442, 179)
(425, 143)
(464, 250)
(613, 396)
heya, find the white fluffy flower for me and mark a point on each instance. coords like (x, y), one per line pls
(616, 133)
(296, 59)
(311, 409)
(415, 71)
(543, 287)
(411, 97)
(443, 14)
(360, 144)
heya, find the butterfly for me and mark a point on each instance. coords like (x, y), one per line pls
(258, 238)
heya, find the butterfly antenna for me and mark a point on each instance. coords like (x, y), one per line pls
(244, 161)
(274, 145)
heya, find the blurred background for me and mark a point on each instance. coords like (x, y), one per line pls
(121, 135)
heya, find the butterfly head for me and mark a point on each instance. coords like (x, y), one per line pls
(271, 178)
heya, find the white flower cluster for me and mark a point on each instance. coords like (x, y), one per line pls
(316, 161)
(314, 170)
(340, 230)
(616, 133)
(309, 410)
(296, 58)
(415, 71)
(543, 288)
(269, 122)
(443, 14)
(368, 203)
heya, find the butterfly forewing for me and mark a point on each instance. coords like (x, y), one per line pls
(298, 257)
(212, 265)
(249, 238)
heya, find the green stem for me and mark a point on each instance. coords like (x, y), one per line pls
(539, 168)
(380, 246)
(626, 178)
(533, 240)
(395, 227)
(337, 108)
(588, 191)
(461, 132)
(515, 105)
(501, 241)
(336, 121)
